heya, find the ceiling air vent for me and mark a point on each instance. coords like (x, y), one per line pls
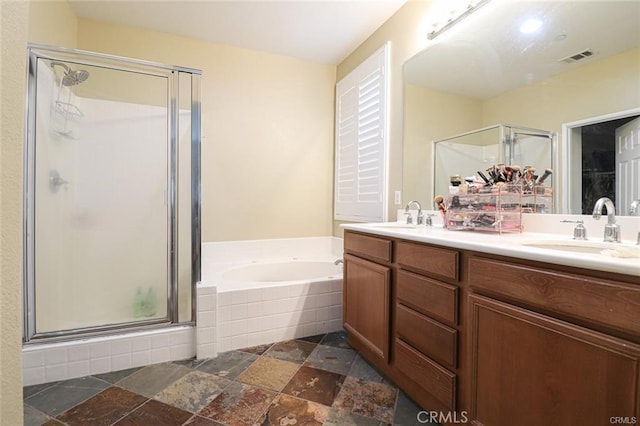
(577, 56)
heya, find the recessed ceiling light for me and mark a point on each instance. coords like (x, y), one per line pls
(530, 26)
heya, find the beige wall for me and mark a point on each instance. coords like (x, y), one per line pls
(267, 145)
(13, 36)
(431, 115)
(406, 30)
(46, 22)
(52, 22)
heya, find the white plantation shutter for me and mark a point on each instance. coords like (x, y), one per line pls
(361, 141)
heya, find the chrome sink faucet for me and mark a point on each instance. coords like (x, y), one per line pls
(420, 218)
(611, 229)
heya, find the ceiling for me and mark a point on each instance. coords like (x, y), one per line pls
(324, 31)
(486, 54)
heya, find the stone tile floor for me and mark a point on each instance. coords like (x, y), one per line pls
(318, 380)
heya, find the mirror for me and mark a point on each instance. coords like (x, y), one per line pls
(484, 71)
(484, 153)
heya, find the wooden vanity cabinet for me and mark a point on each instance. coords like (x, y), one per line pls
(550, 345)
(366, 295)
(425, 345)
(531, 369)
(606, 304)
(366, 305)
(504, 341)
(401, 314)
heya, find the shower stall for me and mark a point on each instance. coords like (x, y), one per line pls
(111, 195)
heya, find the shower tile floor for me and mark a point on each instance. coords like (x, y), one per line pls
(317, 380)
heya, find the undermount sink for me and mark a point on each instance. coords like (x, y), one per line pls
(592, 247)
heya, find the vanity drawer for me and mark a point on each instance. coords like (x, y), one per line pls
(368, 246)
(435, 340)
(438, 381)
(430, 297)
(431, 260)
(591, 300)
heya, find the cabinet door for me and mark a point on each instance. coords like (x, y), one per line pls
(530, 369)
(366, 304)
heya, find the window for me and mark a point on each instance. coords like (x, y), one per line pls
(361, 141)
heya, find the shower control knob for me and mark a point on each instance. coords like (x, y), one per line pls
(55, 181)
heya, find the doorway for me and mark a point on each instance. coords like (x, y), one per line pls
(594, 166)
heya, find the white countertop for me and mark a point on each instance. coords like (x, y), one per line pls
(511, 244)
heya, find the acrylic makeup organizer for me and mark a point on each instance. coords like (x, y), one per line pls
(491, 209)
(538, 200)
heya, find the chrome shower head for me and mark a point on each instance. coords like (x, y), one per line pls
(71, 77)
(75, 77)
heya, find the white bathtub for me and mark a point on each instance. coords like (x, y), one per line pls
(276, 272)
(256, 292)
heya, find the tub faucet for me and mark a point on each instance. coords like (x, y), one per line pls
(634, 209)
(338, 261)
(420, 219)
(611, 229)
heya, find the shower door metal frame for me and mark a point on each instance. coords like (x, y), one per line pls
(171, 73)
(510, 138)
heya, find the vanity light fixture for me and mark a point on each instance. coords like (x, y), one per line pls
(456, 16)
(530, 26)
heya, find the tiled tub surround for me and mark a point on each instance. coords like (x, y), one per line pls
(44, 363)
(233, 314)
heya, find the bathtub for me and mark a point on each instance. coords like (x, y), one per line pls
(277, 272)
(264, 291)
(251, 293)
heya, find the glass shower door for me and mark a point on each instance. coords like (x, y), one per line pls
(101, 196)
